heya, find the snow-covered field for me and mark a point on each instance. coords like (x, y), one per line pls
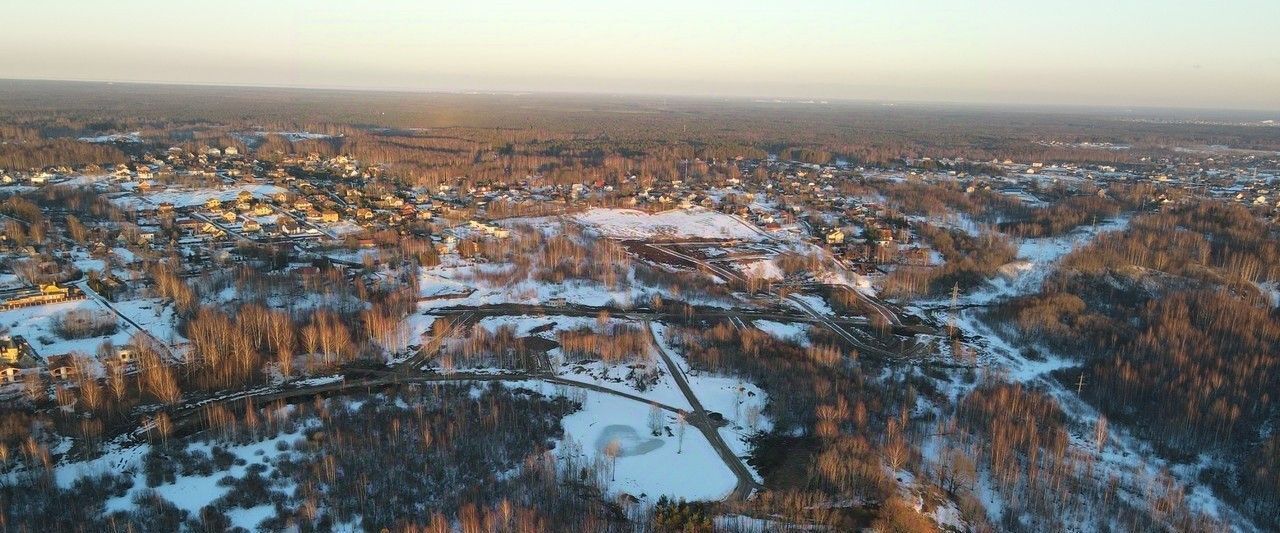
(457, 278)
(134, 137)
(740, 402)
(784, 331)
(1036, 259)
(195, 197)
(649, 466)
(36, 325)
(191, 493)
(696, 222)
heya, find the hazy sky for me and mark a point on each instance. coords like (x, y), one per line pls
(1192, 53)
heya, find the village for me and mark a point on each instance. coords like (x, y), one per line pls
(218, 207)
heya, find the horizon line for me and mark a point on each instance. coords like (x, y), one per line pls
(808, 100)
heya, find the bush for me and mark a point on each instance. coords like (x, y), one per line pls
(82, 324)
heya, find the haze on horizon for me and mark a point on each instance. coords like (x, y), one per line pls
(1195, 53)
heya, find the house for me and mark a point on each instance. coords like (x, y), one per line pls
(109, 286)
(49, 293)
(211, 230)
(123, 357)
(10, 374)
(228, 216)
(165, 209)
(262, 210)
(213, 204)
(251, 226)
(329, 215)
(302, 205)
(835, 236)
(13, 349)
(287, 226)
(61, 367)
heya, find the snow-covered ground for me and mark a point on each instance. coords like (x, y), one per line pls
(765, 269)
(1127, 457)
(648, 467)
(134, 137)
(36, 325)
(816, 302)
(191, 493)
(696, 222)
(196, 197)
(784, 331)
(158, 317)
(740, 402)
(459, 276)
(1036, 259)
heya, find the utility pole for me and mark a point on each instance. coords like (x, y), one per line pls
(1080, 384)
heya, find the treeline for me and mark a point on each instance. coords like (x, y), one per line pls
(1173, 336)
(612, 343)
(969, 261)
(1062, 217)
(837, 436)
(939, 199)
(1211, 241)
(48, 153)
(439, 449)
(1017, 442)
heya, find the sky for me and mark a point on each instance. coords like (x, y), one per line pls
(1200, 54)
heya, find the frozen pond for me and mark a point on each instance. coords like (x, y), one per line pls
(630, 442)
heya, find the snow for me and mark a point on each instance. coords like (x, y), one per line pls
(613, 377)
(696, 222)
(250, 518)
(1036, 259)
(733, 398)
(134, 137)
(455, 278)
(784, 331)
(433, 286)
(154, 315)
(192, 493)
(1125, 456)
(761, 269)
(197, 197)
(1271, 291)
(85, 180)
(816, 302)
(295, 136)
(36, 325)
(650, 466)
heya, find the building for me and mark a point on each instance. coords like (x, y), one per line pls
(835, 236)
(13, 349)
(61, 367)
(49, 293)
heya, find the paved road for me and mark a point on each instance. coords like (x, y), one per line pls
(780, 314)
(84, 286)
(746, 482)
(864, 348)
